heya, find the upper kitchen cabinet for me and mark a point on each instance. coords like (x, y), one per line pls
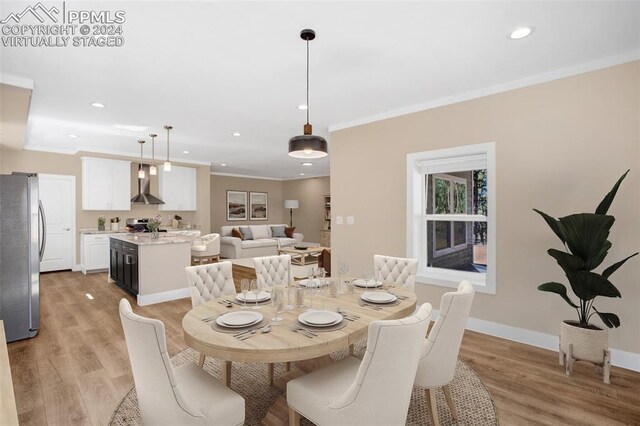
(106, 184)
(178, 188)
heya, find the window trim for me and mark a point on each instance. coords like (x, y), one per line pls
(416, 226)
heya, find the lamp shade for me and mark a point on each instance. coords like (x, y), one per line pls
(291, 204)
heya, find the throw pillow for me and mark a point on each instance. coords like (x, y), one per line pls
(246, 233)
(235, 232)
(288, 231)
(278, 232)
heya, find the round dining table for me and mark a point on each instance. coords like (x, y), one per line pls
(282, 344)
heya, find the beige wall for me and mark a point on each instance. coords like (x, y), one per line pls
(44, 162)
(309, 218)
(560, 146)
(219, 187)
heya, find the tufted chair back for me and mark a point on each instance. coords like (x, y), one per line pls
(207, 245)
(381, 390)
(273, 270)
(209, 281)
(440, 349)
(159, 395)
(396, 269)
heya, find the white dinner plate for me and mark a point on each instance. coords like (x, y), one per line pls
(378, 297)
(320, 318)
(239, 319)
(367, 284)
(313, 283)
(251, 297)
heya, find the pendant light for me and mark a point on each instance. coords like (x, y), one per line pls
(167, 164)
(153, 170)
(307, 145)
(141, 174)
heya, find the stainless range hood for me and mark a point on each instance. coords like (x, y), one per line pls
(144, 189)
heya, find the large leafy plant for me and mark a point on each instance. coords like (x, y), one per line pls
(584, 236)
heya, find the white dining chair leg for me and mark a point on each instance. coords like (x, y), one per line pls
(294, 417)
(226, 373)
(201, 360)
(433, 406)
(449, 398)
(270, 367)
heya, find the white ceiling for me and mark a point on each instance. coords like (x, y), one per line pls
(213, 68)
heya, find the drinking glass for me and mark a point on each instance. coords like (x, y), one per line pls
(277, 300)
(322, 292)
(244, 286)
(255, 289)
(333, 287)
(291, 297)
(367, 278)
(344, 270)
(312, 290)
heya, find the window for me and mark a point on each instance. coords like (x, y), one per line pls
(451, 215)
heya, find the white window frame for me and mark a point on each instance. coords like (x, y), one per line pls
(439, 216)
(416, 223)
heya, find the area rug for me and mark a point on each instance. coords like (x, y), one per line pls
(473, 402)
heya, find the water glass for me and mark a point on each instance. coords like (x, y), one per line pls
(343, 271)
(333, 287)
(291, 297)
(244, 286)
(277, 300)
(255, 289)
(300, 296)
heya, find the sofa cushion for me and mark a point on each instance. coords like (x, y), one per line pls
(259, 231)
(278, 231)
(262, 242)
(235, 232)
(286, 242)
(288, 231)
(246, 233)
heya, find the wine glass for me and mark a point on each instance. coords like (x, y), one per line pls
(244, 286)
(277, 300)
(255, 289)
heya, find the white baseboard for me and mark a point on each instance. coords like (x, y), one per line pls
(165, 296)
(619, 358)
(76, 268)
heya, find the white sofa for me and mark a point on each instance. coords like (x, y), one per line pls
(263, 244)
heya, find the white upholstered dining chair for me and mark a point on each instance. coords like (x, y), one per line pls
(206, 248)
(209, 282)
(184, 395)
(273, 270)
(375, 391)
(399, 270)
(440, 349)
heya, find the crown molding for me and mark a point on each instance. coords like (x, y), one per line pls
(264, 177)
(606, 62)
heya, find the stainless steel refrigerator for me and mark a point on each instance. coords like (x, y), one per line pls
(22, 242)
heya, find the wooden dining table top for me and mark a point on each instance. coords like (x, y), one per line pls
(282, 344)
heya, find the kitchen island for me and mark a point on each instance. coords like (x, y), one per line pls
(152, 269)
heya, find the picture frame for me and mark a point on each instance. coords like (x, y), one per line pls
(259, 205)
(236, 205)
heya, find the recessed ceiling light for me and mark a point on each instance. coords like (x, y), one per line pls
(185, 152)
(73, 136)
(236, 134)
(302, 107)
(301, 174)
(97, 105)
(223, 164)
(130, 127)
(521, 32)
(307, 164)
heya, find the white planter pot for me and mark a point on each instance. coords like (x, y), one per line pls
(588, 344)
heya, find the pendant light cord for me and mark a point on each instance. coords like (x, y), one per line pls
(307, 81)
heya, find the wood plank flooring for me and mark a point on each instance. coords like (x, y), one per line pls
(77, 369)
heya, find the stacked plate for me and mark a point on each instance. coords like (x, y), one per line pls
(263, 296)
(378, 297)
(239, 319)
(320, 318)
(367, 284)
(313, 283)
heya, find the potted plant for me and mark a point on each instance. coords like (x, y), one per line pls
(154, 225)
(101, 221)
(115, 223)
(584, 236)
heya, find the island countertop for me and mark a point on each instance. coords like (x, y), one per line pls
(144, 239)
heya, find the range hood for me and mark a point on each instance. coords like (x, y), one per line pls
(144, 189)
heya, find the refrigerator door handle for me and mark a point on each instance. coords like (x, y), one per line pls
(43, 220)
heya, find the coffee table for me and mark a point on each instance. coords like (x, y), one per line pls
(299, 257)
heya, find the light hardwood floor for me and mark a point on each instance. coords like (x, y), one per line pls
(77, 369)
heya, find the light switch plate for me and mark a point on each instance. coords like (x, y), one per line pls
(339, 220)
(351, 220)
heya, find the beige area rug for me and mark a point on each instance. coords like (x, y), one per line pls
(473, 401)
(297, 271)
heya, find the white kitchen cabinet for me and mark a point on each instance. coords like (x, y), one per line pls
(94, 252)
(106, 184)
(178, 189)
